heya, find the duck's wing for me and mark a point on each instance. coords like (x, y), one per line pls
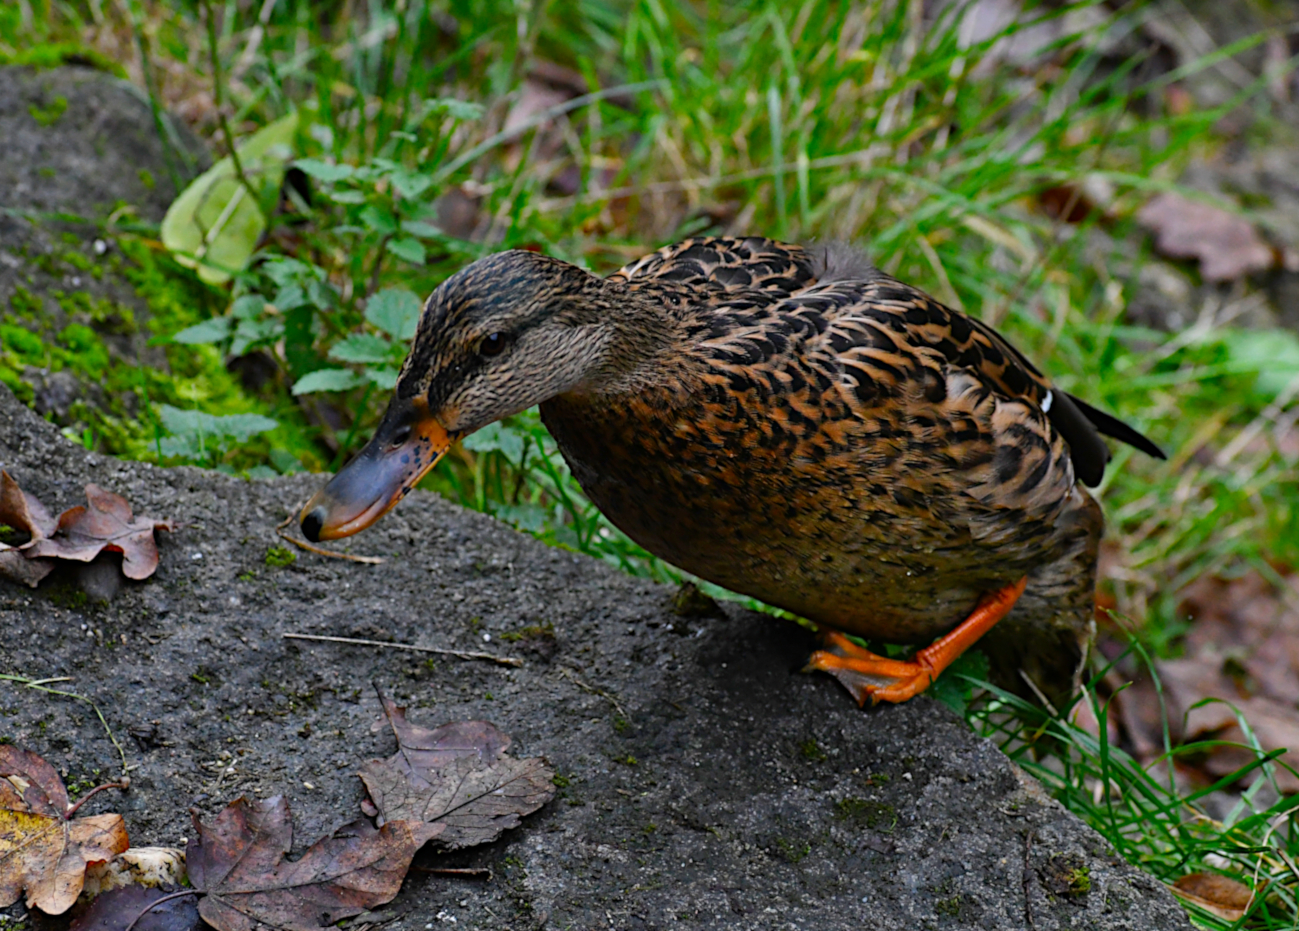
(728, 263)
(898, 320)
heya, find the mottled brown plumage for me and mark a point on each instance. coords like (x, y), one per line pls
(793, 424)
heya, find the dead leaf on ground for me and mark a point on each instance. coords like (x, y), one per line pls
(79, 534)
(1221, 895)
(120, 908)
(1227, 246)
(456, 776)
(239, 862)
(1242, 649)
(42, 852)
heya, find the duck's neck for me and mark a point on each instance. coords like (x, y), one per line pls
(642, 331)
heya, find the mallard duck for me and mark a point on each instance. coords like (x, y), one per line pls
(790, 423)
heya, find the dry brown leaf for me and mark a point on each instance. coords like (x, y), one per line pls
(1225, 897)
(25, 514)
(1227, 246)
(238, 861)
(106, 525)
(42, 852)
(142, 908)
(456, 775)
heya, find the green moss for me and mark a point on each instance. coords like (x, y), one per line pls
(23, 343)
(54, 54)
(147, 179)
(49, 115)
(810, 750)
(23, 391)
(91, 355)
(279, 557)
(792, 852)
(25, 304)
(875, 816)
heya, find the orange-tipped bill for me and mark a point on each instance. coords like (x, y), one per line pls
(407, 444)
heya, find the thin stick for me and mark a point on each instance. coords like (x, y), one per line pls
(461, 654)
(320, 551)
(36, 684)
(568, 674)
(464, 872)
(123, 785)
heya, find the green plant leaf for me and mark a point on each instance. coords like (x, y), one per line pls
(362, 348)
(409, 250)
(384, 378)
(327, 380)
(395, 311)
(183, 423)
(214, 225)
(209, 331)
(497, 437)
(323, 171)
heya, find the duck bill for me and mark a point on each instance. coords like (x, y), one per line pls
(408, 443)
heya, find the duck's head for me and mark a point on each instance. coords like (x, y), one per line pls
(503, 334)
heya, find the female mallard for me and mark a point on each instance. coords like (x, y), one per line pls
(790, 423)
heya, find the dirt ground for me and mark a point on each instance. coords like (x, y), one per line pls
(709, 783)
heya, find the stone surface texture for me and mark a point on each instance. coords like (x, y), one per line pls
(708, 783)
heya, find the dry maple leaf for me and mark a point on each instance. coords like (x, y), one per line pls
(107, 524)
(141, 908)
(1227, 245)
(1220, 895)
(42, 850)
(238, 861)
(456, 775)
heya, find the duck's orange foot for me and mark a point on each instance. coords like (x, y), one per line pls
(867, 675)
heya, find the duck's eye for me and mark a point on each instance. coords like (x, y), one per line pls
(400, 436)
(492, 345)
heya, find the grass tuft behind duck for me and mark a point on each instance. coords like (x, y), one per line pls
(789, 423)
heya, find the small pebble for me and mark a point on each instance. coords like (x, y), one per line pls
(487, 638)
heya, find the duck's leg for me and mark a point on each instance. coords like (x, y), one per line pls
(868, 675)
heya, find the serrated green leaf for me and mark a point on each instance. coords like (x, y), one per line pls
(209, 331)
(327, 380)
(183, 423)
(347, 197)
(395, 311)
(362, 348)
(410, 184)
(410, 250)
(497, 437)
(248, 307)
(421, 229)
(460, 109)
(214, 225)
(378, 219)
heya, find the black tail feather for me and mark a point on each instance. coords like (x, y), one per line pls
(1112, 426)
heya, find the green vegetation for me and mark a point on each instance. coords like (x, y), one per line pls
(815, 120)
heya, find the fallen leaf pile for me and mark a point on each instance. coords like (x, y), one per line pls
(1227, 898)
(453, 785)
(80, 534)
(43, 851)
(1242, 656)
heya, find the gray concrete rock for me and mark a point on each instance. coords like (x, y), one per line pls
(707, 783)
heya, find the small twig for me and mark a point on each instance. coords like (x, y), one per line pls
(568, 674)
(1028, 898)
(463, 873)
(320, 551)
(156, 902)
(222, 122)
(461, 654)
(124, 785)
(36, 684)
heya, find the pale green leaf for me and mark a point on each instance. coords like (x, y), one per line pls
(395, 311)
(327, 380)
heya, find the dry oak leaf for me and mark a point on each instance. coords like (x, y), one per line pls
(23, 513)
(41, 850)
(107, 524)
(1227, 245)
(238, 861)
(140, 908)
(456, 776)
